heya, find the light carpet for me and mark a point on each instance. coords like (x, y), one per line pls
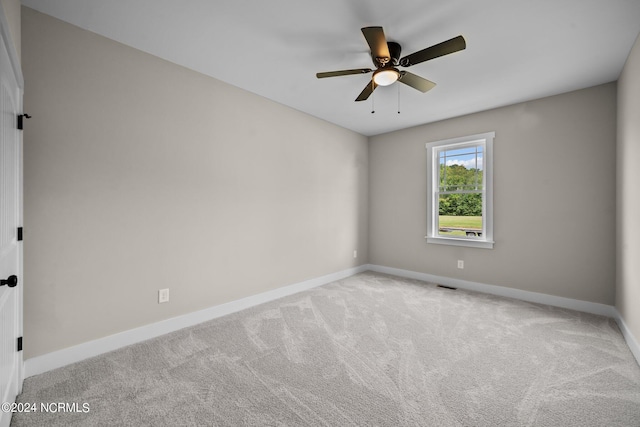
(369, 350)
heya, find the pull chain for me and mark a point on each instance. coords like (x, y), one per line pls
(398, 98)
(373, 110)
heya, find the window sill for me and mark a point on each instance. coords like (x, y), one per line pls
(485, 244)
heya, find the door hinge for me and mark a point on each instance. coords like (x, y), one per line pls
(19, 234)
(19, 343)
(20, 120)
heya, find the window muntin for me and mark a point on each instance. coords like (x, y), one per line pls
(460, 191)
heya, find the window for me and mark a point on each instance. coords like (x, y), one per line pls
(460, 191)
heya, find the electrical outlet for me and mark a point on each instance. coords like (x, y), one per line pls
(355, 253)
(163, 295)
(460, 264)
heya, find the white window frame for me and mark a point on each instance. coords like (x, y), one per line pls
(433, 169)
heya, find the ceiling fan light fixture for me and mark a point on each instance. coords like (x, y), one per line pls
(386, 76)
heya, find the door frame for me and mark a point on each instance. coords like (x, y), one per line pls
(7, 40)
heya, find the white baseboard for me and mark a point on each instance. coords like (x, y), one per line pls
(57, 359)
(573, 304)
(628, 336)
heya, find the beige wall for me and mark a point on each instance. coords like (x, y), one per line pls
(628, 196)
(554, 197)
(11, 10)
(142, 175)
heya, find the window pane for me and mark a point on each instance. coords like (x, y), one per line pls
(461, 169)
(460, 214)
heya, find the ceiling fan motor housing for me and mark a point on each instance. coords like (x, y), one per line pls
(394, 50)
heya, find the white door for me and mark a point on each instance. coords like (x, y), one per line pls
(11, 374)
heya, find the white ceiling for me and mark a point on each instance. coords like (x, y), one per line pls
(517, 50)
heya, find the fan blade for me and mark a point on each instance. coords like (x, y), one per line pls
(367, 91)
(377, 42)
(343, 72)
(453, 45)
(416, 82)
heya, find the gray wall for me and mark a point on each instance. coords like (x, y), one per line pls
(554, 197)
(628, 200)
(142, 175)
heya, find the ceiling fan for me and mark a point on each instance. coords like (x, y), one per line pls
(386, 58)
